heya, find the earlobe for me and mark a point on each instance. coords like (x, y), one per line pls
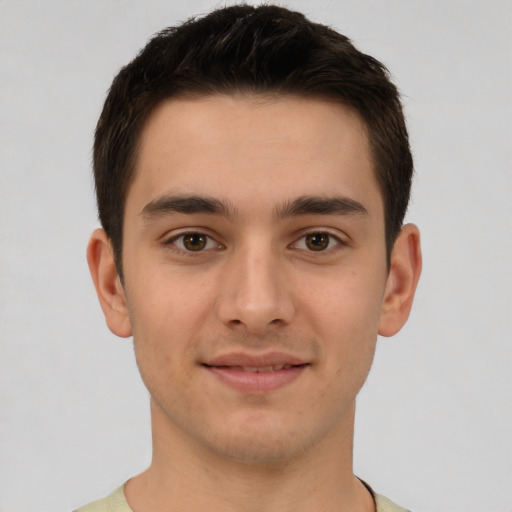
(108, 285)
(404, 273)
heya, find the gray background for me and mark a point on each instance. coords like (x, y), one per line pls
(435, 418)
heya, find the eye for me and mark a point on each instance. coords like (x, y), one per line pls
(317, 241)
(193, 242)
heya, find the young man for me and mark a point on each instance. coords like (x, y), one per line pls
(252, 173)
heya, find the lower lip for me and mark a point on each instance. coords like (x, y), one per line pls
(257, 382)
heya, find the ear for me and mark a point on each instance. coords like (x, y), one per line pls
(404, 273)
(100, 257)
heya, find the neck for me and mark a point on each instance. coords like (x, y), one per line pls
(189, 477)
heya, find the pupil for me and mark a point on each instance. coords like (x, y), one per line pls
(317, 241)
(194, 242)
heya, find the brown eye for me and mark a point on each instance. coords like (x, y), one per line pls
(195, 241)
(317, 241)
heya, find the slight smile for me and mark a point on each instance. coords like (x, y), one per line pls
(256, 374)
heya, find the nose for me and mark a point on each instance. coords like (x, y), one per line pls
(255, 292)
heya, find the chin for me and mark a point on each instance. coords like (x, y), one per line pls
(263, 442)
(253, 450)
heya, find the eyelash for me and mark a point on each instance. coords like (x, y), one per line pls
(211, 243)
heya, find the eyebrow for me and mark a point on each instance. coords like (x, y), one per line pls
(187, 204)
(304, 205)
(319, 205)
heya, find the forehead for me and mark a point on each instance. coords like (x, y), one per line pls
(253, 147)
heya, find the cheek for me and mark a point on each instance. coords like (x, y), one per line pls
(164, 322)
(345, 318)
(343, 305)
(171, 307)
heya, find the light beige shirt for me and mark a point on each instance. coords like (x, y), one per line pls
(116, 502)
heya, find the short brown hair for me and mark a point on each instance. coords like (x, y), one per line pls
(265, 49)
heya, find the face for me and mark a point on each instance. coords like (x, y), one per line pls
(254, 271)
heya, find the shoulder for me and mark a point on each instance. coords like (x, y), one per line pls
(115, 502)
(384, 504)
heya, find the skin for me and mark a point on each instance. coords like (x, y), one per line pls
(255, 287)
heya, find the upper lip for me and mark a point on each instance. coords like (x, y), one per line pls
(255, 360)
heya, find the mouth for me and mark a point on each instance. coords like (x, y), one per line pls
(260, 374)
(256, 369)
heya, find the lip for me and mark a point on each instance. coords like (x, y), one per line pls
(239, 370)
(255, 360)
